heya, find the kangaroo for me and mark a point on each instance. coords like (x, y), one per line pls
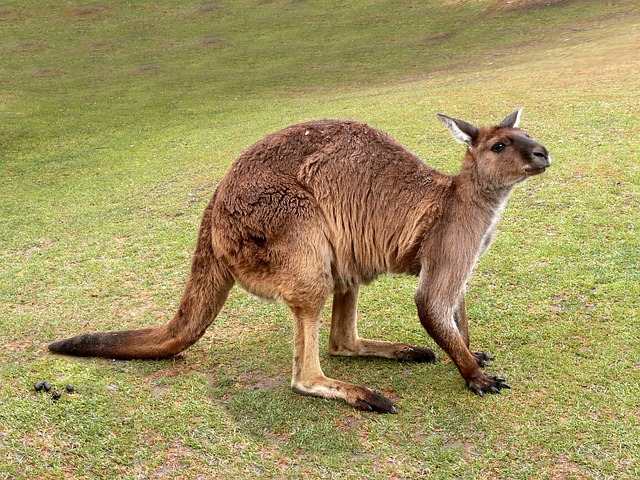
(323, 207)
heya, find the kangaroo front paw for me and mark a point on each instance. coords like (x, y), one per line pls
(484, 383)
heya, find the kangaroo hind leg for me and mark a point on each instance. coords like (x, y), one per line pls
(308, 378)
(305, 284)
(344, 339)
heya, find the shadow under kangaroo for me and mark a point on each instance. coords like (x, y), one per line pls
(323, 207)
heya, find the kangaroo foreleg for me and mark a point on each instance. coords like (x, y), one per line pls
(439, 319)
(344, 339)
(462, 322)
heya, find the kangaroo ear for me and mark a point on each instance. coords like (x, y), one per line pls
(512, 120)
(463, 132)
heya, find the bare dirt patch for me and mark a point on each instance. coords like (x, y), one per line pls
(438, 36)
(176, 461)
(147, 68)
(349, 423)
(513, 5)
(87, 12)
(565, 468)
(211, 40)
(177, 368)
(208, 7)
(15, 13)
(255, 381)
(48, 71)
(468, 448)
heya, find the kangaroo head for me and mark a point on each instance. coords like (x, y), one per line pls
(499, 156)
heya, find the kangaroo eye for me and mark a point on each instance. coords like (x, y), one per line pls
(498, 147)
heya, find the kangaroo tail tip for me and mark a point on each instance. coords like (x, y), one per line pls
(81, 345)
(124, 345)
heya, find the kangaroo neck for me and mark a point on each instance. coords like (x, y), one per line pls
(478, 195)
(476, 209)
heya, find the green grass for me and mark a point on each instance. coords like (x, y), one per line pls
(117, 120)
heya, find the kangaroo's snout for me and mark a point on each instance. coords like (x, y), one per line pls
(540, 160)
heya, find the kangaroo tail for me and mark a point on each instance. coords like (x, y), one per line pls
(206, 291)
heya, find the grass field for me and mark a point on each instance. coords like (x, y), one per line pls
(118, 119)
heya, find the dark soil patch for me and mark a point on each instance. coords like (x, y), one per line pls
(208, 7)
(148, 68)
(48, 71)
(14, 13)
(211, 40)
(437, 37)
(519, 5)
(257, 382)
(86, 12)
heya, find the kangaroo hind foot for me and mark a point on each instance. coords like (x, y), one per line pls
(359, 397)
(344, 339)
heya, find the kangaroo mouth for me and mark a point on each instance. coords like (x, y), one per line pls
(535, 170)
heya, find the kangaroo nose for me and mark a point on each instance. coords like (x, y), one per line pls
(542, 156)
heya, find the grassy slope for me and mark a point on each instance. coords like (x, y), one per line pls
(118, 121)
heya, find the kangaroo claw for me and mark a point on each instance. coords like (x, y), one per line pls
(485, 383)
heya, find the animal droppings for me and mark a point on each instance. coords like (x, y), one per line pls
(56, 394)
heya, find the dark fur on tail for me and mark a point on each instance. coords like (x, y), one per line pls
(206, 291)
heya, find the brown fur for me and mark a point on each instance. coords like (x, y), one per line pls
(323, 207)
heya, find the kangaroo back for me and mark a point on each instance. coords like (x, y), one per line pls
(206, 291)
